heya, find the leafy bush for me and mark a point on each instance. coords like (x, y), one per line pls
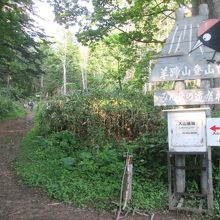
(76, 150)
(84, 176)
(118, 117)
(9, 108)
(6, 106)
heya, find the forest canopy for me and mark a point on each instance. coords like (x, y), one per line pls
(135, 20)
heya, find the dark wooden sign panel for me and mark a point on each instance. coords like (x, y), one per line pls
(184, 68)
(175, 62)
(187, 97)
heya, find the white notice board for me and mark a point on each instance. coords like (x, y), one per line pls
(186, 131)
(213, 131)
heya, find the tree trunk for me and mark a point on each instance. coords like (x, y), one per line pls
(214, 8)
(195, 7)
(64, 62)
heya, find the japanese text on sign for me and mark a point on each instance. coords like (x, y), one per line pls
(167, 73)
(187, 97)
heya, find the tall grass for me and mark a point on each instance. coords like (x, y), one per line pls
(76, 150)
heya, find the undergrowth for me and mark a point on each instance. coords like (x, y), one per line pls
(86, 175)
(76, 152)
(9, 109)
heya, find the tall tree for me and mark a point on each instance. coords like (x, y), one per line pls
(52, 66)
(129, 29)
(19, 45)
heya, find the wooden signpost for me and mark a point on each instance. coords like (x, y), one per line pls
(177, 63)
(186, 127)
(185, 68)
(187, 97)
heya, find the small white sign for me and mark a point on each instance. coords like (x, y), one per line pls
(186, 130)
(213, 131)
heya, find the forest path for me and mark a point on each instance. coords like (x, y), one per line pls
(19, 202)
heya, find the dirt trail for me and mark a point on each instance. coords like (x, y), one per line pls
(18, 202)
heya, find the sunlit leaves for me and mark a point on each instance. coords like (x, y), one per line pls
(106, 16)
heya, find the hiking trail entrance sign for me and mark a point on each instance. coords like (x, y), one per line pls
(177, 63)
(187, 97)
(182, 59)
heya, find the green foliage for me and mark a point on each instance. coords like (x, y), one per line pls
(68, 162)
(123, 37)
(136, 20)
(90, 117)
(216, 186)
(216, 180)
(20, 58)
(215, 114)
(123, 67)
(78, 161)
(102, 75)
(8, 107)
(52, 65)
(5, 106)
(155, 192)
(86, 176)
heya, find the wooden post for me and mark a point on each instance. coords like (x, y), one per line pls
(180, 159)
(204, 175)
(180, 173)
(205, 84)
(210, 184)
(127, 184)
